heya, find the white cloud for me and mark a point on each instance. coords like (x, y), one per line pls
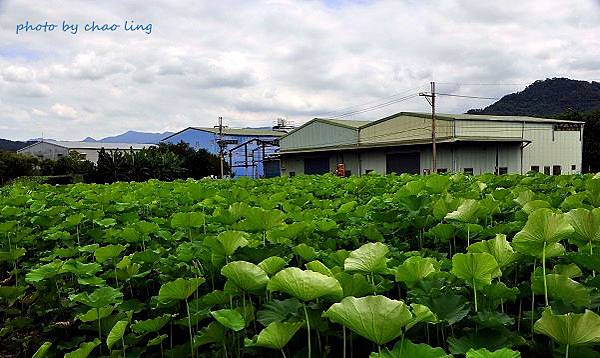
(64, 111)
(252, 62)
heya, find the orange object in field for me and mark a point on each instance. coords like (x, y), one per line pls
(340, 171)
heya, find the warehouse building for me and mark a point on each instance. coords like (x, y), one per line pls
(401, 143)
(251, 150)
(53, 149)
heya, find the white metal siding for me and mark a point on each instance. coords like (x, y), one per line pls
(45, 150)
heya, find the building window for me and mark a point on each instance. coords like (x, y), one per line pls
(347, 173)
(547, 170)
(535, 168)
(556, 170)
(367, 171)
(502, 170)
(573, 167)
(468, 171)
(292, 174)
(59, 155)
(442, 170)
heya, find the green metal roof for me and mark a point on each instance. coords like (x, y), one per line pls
(242, 131)
(485, 117)
(345, 122)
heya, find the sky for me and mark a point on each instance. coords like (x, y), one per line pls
(252, 62)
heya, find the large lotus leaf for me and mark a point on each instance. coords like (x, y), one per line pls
(94, 314)
(469, 211)
(542, 232)
(318, 266)
(147, 227)
(305, 285)
(355, 285)
(500, 353)
(213, 333)
(305, 251)
(586, 224)
(246, 275)
(231, 240)
(498, 247)
(12, 255)
(41, 352)
(280, 311)
(258, 219)
(592, 187)
(571, 328)
(533, 205)
(116, 333)
(231, 319)
(376, 318)
(276, 335)
(188, 220)
(442, 232)
(272, 265)
(106, 253)
(150, 325)
(177, 290)
(368, 258)
(415, 269)
(84, 349)
(437, 184)
(80, 269)
(561, 287)
(477, 270)
(421, 313)
(44, 272)
(99, 298)
(570, 270)
(11, 293)
(407, 349)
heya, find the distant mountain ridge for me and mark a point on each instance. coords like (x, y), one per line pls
(549, 97)
(132, 137)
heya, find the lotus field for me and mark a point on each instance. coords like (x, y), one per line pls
(314, 266)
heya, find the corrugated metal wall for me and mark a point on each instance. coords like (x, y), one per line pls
(319, 134)
(404, 129)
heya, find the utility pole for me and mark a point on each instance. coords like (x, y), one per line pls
(221, 144)
(433, 136)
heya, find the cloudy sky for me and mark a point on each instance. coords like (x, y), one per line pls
(254, 61)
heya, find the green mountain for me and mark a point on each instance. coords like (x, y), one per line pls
(551, 97)
(12, 146)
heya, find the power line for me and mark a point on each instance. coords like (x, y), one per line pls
(465, 96)
(375, 107)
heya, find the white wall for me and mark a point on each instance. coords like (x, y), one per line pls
(44, 150)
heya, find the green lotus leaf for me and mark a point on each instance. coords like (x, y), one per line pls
(498, 247)
(43, 272)
(178, 290)
(272, 265)
(188, 220)
(533, 205)
(562, 288)
(319, 267)
(84, 349)
(355, 285)
(305, 285)
(99, 298)
(586, 224)
(12, 255)
(231, 319)
(369, 258)
(437, 184)
(157, 340)
(11, 293)
(476, 269)
(80, 269)
(116, 333)
(500, 353)
(91, 281)
(469, 211)
(415, 269)
(258, 219)
(421, 313)
(75, 219)
(276, 335)
(41, 352)
(279, 311)
(213, 333)
(542, 232)
(227, 242)
(150, 325)
(570, 270)
(377, 318)
(94, 314)
(571, 328)
(106, 253)
(442, 232)
(408, 349)
(246, 275)
(146, 227)
(307, 253)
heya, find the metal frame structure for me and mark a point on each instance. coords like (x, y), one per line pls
(261, 145)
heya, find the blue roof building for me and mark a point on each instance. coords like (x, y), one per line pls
(246, 146)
